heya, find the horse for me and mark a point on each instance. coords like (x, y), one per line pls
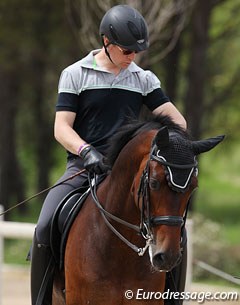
(127, 235)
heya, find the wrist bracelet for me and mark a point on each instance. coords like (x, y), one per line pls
(82, 147)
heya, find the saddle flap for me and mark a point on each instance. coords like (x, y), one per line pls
(60, 218)
(65, 211)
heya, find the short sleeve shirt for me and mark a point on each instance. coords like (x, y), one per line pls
(102, 101)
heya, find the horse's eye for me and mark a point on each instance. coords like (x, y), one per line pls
(154, 184)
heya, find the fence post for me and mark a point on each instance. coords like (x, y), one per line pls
(1, 258)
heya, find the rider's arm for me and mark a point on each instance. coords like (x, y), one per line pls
(157, 101)
(169, 109)
(64, 132)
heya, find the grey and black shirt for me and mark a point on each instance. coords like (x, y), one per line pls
(102, 101)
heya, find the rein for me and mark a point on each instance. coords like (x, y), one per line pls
(105, 214)
(42, 192)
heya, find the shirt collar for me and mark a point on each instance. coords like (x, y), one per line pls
(88, 62)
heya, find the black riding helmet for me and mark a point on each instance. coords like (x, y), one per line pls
(124, 26)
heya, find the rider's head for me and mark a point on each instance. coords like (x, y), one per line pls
(125, 27)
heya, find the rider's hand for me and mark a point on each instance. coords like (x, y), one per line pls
(93, 161)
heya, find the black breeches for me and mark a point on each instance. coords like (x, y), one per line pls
(55, 196)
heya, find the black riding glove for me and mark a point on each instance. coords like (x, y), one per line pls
(93, 161)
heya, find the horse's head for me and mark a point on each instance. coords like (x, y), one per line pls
(157, 161)
(163, 186)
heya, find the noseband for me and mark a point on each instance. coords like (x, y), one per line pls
(147, 221)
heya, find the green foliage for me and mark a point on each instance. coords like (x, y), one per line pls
(219, 184)
(16, 251)
(222, 90)
(217, 211)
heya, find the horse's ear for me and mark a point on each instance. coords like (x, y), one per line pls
(206, 145)
(162, 138)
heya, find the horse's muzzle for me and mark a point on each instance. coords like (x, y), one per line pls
(165, 261)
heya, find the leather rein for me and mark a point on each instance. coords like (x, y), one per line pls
(146, 221)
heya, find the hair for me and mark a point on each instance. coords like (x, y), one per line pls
(129, 131)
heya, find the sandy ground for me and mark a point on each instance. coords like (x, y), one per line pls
(16, 286)
(15, 289)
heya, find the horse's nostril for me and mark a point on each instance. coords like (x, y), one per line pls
(165, 261)
(158, 259)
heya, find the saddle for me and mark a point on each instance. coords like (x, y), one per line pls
(63, 218)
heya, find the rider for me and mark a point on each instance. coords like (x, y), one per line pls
(97, 95)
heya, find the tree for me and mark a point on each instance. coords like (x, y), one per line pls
(30, 64)
(12, 186)
(202, 98)
(195, 39)
(196, 73)
(164, 31)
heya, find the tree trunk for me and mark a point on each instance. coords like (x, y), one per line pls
(12, 189)
(39, 87)
(171, 63)
(196, 74)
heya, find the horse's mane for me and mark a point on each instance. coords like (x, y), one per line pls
(129, 131)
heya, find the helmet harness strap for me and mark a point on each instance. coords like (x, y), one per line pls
(106, 50)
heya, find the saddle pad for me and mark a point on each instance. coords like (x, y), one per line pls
(62, 220)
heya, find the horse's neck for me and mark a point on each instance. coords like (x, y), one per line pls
(119, 195)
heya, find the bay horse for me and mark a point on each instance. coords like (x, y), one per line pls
(140, 207)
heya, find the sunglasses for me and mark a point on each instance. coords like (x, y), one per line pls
(126, 52)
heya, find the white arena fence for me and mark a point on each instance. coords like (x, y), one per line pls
(15, 230)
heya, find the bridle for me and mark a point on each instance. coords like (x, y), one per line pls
(147, 222)
(169, 220)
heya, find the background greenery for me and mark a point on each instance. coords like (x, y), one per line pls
(199, 69)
